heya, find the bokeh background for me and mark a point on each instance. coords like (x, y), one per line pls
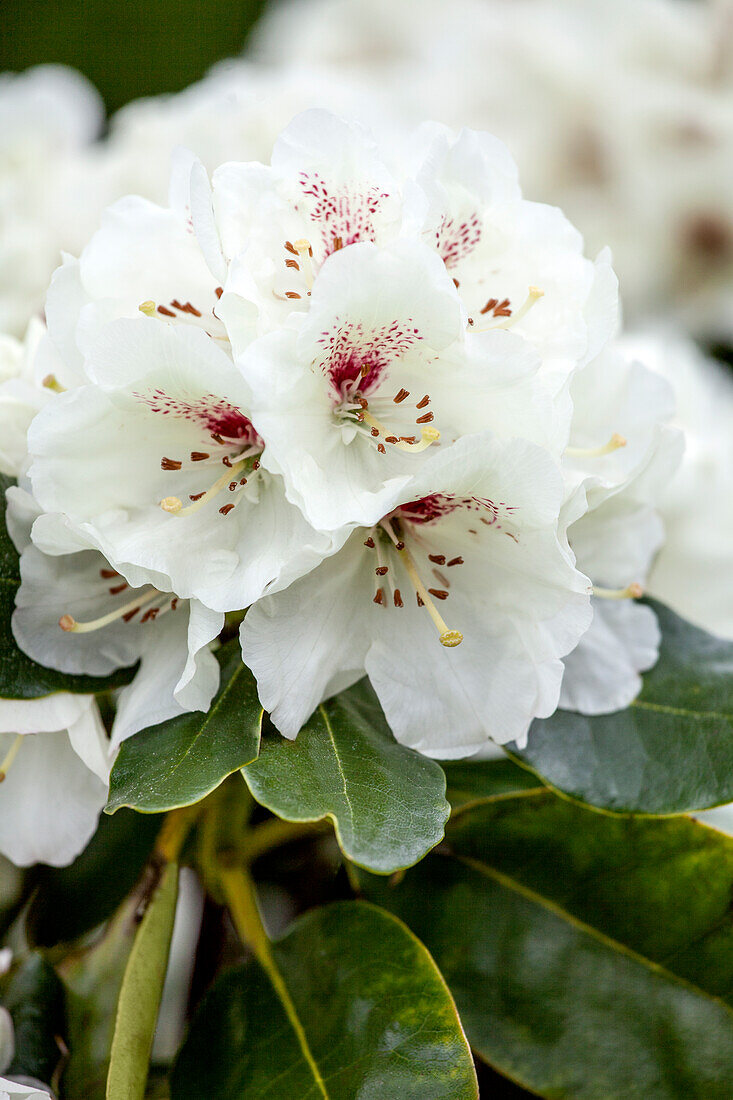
(139, 48)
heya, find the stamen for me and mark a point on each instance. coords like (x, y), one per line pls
(148, 308)
(533, 296)
(615, 442)
(448, 638)
(51, 382)
(423, 402)
(10, 756)
(175, 504)
(305, 255)
(69, 624)
(400, 396)
(427, 435)
(631, 592)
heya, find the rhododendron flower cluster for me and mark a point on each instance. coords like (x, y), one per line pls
(374, 401)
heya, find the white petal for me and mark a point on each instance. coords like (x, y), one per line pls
(49, 802)
(603, 673)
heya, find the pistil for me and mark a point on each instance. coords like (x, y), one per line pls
(615, 442)
(448, 638)
(69, 624)
(10, 756)
(305, 256)
(631, 592)
(533, 296)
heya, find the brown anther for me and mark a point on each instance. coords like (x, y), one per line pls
(490, 305)
(255, 465)
(381, 570)
(439, 559)
(216, 437)
(456, 561)
(423, 402)
(398, 598)
(117, 588)
(365, 370)
(219, 291)
(196, 496)
(400, 396)
(243, 481)
(290, 248)
(177, 305)
(439, 593)
(232, 486)
(227, 461)
(199, 456)
(293, 263)
(375, 432)
(419, 600)
(400, 545)
(470, 320)
(188, 308)
(226, 509)
(108, 574)
(363, 402)
(369, 542)
(130, 615)
(337, 244)
(408, 438)
(391, 439)
(170, 464)
(292, 294)
(382, 449)
(379, 596)
(150, 614)
(502, 310)
(165, 311)
(425, 418)
(456, 283)
(174, 603)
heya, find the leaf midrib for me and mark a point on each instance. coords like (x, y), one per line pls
(594, 933)
(681, 712)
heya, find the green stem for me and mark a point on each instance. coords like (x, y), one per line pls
(241, 897)
(276, 832)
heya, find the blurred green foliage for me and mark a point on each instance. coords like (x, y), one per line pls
(128, 49)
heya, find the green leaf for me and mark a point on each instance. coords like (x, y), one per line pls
(20, 677)
(369, 1016)
(182, 760)
(142, 987)
(590, 956)
(69, 901)
(671, 751)
(35, 1000)
(386, 801)
(468, 780)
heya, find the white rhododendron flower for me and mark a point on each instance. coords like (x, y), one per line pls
(365, 282)
(55, 763)
(77, 614)
(615, 487)
(692, 570)
(622, 114)
(191, 510)
(46, 115)
(459, 605)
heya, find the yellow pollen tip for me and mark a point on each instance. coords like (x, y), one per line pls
(148, 308)
(430, 435)
(617, 440)
(635, 591)
(301, 245)
(51, 382)
(171, 504)
(67, 622)
(451, 638)
(535, 292)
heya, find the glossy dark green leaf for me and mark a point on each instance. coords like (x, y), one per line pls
(590, 956)
(377, 1020)
(671, 751)
(20, 677)
(140, 993)
(471, 779)
(69, 901)
(35, 1000)
(182, 760)
(386, 801)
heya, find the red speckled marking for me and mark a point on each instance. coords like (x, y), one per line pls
(345, 215)
(432, 508)
(351, 352)
(214, 414)
(457, 239)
